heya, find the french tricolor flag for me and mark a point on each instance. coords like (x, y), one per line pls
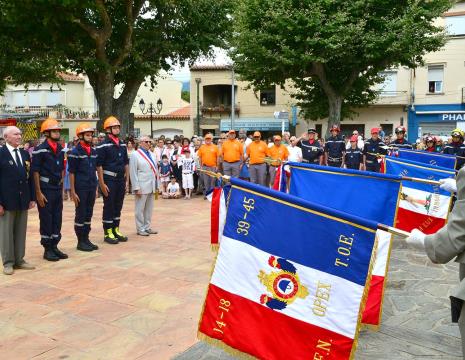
(422, 206)
(290, 289)
(218, 198)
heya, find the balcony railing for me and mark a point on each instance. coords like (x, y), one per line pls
(219, 109)
(59, 112)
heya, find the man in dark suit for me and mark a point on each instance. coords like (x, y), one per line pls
(16, 198)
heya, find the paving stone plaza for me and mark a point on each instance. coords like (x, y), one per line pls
(142, 299)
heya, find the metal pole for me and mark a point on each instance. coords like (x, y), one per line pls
(151, 120)
(233, 98)
(197, 80)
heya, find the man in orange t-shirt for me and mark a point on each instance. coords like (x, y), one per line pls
(256, 152)
(208, 157)
(232, 155)
(279, 153)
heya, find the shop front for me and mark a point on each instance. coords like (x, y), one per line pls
(438, 120)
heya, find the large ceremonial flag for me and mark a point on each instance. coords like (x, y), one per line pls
(422, 206)
(290, 277)
(425, 157)
(370, 195)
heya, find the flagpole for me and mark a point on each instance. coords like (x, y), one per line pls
(393, 230)
(424, 181)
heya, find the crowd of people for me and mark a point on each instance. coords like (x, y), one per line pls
(93, 165)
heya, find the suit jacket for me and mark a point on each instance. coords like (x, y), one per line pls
(449, 242)
(141, 174)
(16, 184)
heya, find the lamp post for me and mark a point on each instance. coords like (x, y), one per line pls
(151, 110)
(198, 80)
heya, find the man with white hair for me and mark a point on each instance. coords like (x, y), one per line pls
(143, 172)
(16, 198)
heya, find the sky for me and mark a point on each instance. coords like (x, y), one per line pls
(183, 73)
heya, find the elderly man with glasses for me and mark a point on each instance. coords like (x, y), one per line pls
(143, 172)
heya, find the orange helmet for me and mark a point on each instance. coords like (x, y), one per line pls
(49, 124)
(84, 127)
(110, 121)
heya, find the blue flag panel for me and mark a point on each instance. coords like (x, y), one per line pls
(306, 233)
(369, 195)
(425, 157)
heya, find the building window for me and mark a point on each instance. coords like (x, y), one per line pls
(455, 25)
(435, 79)
(268, 97)
(389, 86)
(136, 133)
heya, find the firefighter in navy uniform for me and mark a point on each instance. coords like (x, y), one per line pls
(371, 151)
(82, 167)
(457, 148)
(312, 151)
(47, 168)
(354, 156)
(401, 142)
(113, 177)
(335, 148)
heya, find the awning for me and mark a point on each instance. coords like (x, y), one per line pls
(252, 124)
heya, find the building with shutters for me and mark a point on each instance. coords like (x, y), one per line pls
(428, 99)
(74, 102)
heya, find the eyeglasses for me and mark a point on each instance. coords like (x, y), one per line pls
(147, 141)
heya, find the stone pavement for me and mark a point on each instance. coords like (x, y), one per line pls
(142, 299)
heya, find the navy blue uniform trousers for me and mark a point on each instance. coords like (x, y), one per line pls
(84, 212)
(50, 217)
(113, 203)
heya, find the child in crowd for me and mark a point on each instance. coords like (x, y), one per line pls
(165, 172)
(188, 168)
(172, 191)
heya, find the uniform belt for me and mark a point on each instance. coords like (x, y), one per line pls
(113, 174)
(50, 181)
(370, 161)
(334, 159)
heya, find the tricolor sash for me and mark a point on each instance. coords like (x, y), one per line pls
(150, 161)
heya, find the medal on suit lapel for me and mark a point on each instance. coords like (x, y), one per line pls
(11, 162)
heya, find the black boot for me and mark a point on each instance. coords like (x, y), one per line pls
(83, 245)
(49, 254)
(58, 253)
(88, 242)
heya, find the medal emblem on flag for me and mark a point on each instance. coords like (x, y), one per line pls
(284, 285)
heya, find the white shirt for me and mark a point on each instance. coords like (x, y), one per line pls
(295, 153)
(11, 149)
(173, 188)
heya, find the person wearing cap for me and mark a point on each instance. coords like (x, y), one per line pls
(82, 167)
(401, 142)
(256, 152)
(187, 163)
(371, 151)
(208, 156)
(113, 177)
(430, 142)
(353, 156)
(312, 150)
(456, 148)
(360, 142)
(335, 148)
(231, 154)
(143, 172)
(279, 154)
(47, 168)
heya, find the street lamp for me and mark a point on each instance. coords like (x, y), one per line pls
(151, 110)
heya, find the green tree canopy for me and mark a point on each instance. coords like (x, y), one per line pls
(332, 51)
(118, 42)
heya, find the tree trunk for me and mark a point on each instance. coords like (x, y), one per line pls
(335, 105)
(104, 88)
